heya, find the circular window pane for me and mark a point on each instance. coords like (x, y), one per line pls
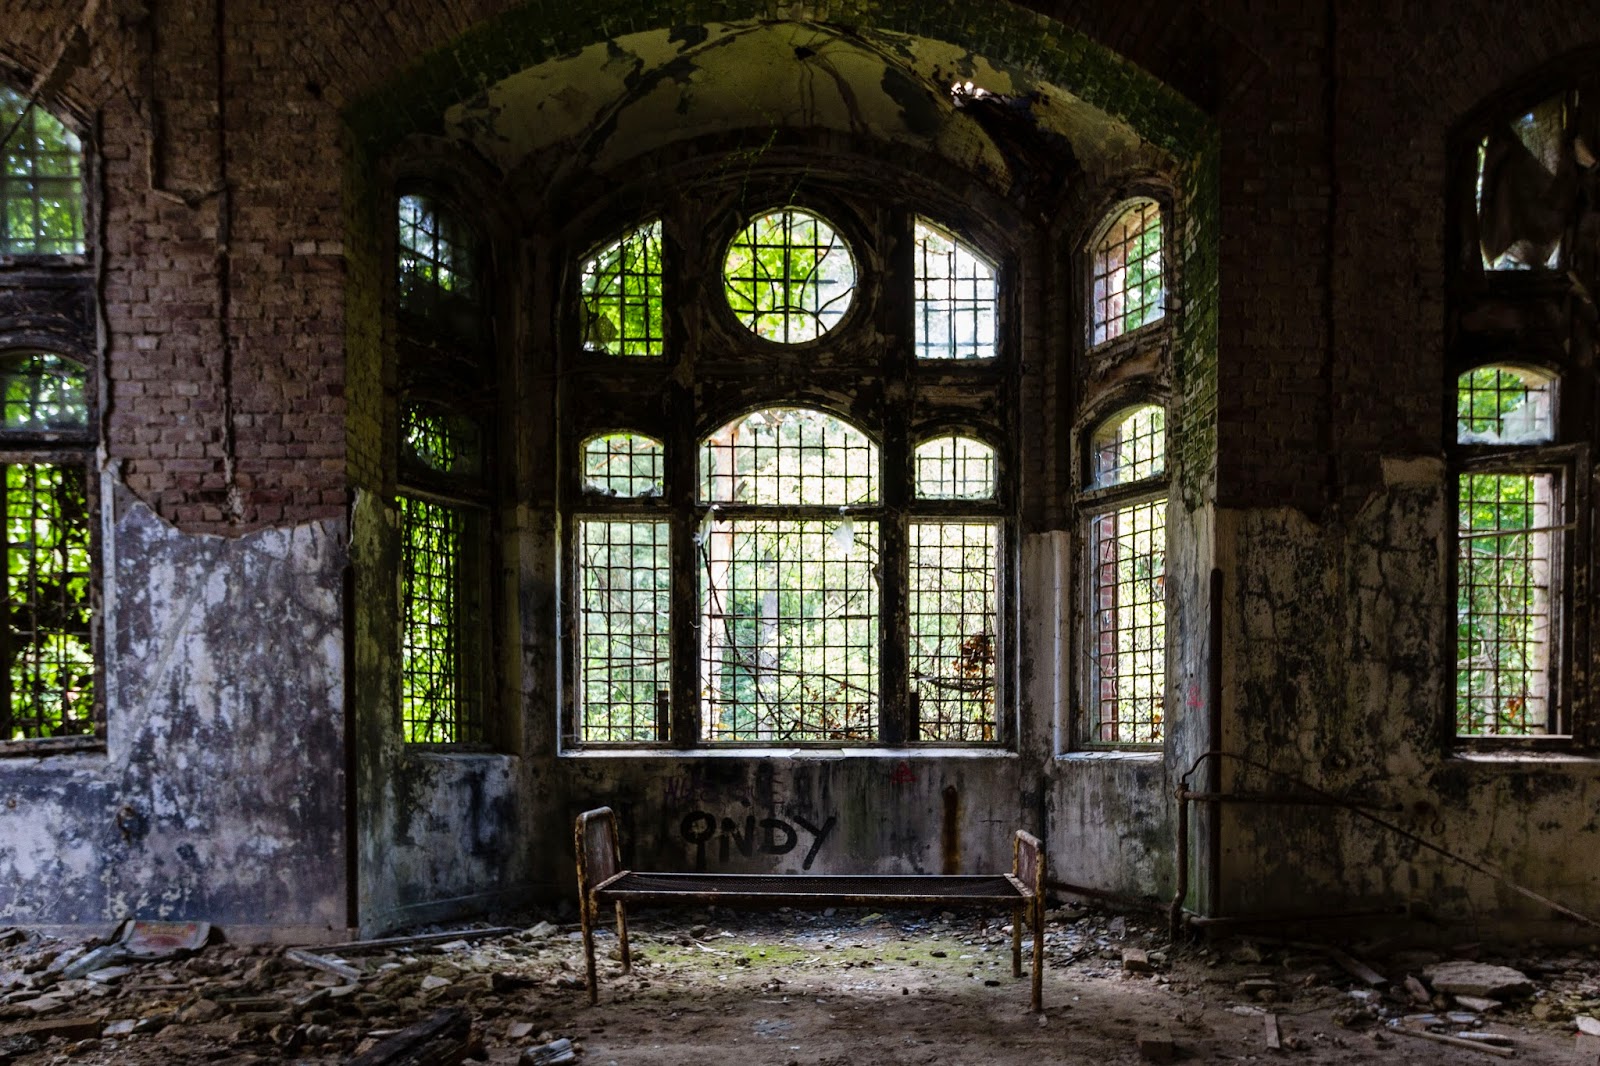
(789, 277)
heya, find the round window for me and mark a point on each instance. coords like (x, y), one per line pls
(789, 277)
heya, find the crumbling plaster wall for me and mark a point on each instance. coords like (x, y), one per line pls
(219, 795)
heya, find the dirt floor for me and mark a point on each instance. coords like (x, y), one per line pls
(839, 989)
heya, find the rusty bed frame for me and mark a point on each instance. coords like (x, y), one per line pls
(601, 879)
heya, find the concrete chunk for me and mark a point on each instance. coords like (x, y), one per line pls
(1479, 979)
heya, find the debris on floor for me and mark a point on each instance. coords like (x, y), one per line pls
(861, 984)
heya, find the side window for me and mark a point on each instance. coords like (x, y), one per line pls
(1125, 536)
(1128, 287)
(622, 298)
(41, 181)
(1524, 190)
(443, 578)
(48, 641)
(442, 479)
(957, 296)
(1513, 516)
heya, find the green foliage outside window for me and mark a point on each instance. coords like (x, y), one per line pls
(48, 637)
(436, 268)
(789, 277)
(41, 182)
(1129, 286)
(1504, 405)
(623, 627)
(622, 295)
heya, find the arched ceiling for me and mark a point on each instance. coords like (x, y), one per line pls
(596, 109)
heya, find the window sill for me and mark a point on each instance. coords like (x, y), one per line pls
(1111, 755)
(901, 754)
(1513, 759)
(33, 749)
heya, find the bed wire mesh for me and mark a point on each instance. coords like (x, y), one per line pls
(624, 651)
(49, 636)
(954, 630)
(1127, 275)
(1504, 600)
(42, 393)
(1128, 622)
(437, 705)
(1130, 447)
(41, 182)
(435, 256)
(789, 277)
(622, 298)
(955, 298)
(623, 465)
(1505, 405)
(955, 468)
(789, 630)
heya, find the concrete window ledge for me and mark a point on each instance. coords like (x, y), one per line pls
(1515, 760)
(801, 754)
(1109, 756)
(446, 755)
(35, 749)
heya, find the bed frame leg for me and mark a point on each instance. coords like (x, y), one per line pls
(1037, 914)
(622, 937)
(1018, 916)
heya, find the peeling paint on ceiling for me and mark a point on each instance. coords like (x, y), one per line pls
(614, 101)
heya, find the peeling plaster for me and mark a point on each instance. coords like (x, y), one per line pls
(219, 795)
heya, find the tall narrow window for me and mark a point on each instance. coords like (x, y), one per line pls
(48, 641)
(41, 181)
(622, 295)
(1510, 548)
(789, 593)
(624, 563)
(442, 579)
(954, 586)
(956, 298)
(1522, 201)
(1127, 546)
(437, 274)
(1129, 290)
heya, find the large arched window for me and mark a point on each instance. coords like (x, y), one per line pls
(753, 562)
(1127, 276)
(41, 181)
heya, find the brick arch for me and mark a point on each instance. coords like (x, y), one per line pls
(414, 100)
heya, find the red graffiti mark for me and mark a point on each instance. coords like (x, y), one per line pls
(903, 774)
(1195, 698)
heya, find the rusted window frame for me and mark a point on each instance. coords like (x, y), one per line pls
(842, 360)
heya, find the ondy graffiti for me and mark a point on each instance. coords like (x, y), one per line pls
(776, 836)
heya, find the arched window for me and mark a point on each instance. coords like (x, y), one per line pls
(1128, 286)
(48, 641)
(1126, 542)
(957, 296)
(41, 181)
(437, 261)
(622, 294)
(794, 573)
(1513, 512)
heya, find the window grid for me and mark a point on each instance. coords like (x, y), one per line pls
(789, 456)
(625, 465)
(953, 630)
(435, 256)
(1127, 273)
(42, 393)
(41, 182)
(1504, 599)
(789, 277)
(437, 706)
(624, 653)
(955, 468)
(1128, 552)
(622, 295)
(789, 630)
(1131, 448)
(1504, 405)
(956, 299)
(49, 636)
